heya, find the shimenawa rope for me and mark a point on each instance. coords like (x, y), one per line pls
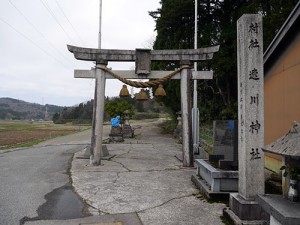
(138, 84)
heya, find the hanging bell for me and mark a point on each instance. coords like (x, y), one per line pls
(160, 91)
(124, 91)
(142, 96)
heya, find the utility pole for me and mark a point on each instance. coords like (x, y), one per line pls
(100, 23)
(195, 110)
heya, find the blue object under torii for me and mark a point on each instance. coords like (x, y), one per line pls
(115, 122)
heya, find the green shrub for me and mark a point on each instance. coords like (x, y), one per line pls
(116, 107)
(168, 126)
(60, 121)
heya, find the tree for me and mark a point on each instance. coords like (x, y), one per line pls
(83, 113)
(87, 113)
(217, 98)
(274, 12)
(174, 25)
(55, 117)
(117, 107)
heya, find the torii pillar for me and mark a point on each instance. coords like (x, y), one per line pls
(98, 109)
(142, 58)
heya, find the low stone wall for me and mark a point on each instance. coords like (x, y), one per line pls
(219, 180)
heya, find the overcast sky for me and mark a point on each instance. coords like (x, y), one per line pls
(35, 65)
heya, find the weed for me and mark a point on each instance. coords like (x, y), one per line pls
(168, 126)
(225, 220)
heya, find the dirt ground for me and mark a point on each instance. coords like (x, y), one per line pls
(14, 133)
(11, 138)
(19, 133)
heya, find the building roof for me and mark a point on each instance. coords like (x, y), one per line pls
(290, 27)
(288, 145)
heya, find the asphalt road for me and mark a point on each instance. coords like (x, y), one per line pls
(35, 185)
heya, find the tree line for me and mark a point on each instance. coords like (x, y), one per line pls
(217, 98)
(114, 106)
(82, 113)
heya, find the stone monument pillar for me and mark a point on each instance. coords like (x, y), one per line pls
(251, 106)
(251, 118)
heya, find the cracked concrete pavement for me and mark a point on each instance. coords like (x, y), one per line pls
(143, 184)
(144, 178)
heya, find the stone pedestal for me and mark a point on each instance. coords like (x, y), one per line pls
(246, 210)
(281, 210)
(104, 151)
(127, 131)
(116, 134)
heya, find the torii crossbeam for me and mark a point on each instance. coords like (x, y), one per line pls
(142, 58)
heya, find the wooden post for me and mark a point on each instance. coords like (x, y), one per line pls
(185, 79)
(97, 133)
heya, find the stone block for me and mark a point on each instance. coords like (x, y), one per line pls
(115, 131)
(225, 137)
(215, 158)
(227, 165)
(143, 61)
(104, 152)
(218, 180)
(116, 137)
(204, 188)
(127, 131)
(246, 210)
(281, 210)
(202, 153)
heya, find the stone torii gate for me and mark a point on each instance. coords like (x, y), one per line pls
(142, 58)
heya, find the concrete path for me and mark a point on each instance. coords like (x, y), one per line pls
(144, 183)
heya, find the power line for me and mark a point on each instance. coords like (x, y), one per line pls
(32, 42)
(36, 29)
(56, 20)
(75, 31)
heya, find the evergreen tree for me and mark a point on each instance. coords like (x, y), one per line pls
(174, 25)
(117, 107)
(216, 26)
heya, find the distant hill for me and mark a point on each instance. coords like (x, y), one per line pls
(20, 110)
